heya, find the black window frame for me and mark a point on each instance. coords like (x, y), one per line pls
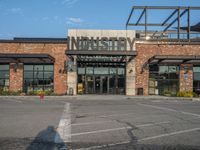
(41, 80)
(5, 87)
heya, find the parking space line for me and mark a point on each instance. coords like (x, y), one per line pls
(117, 129)
(13, 100)
(88, 123)
(144, 139)
(169, 134)
(169, 109)
(64, 127)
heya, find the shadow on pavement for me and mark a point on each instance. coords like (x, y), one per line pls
(45, 140)
(132, 146)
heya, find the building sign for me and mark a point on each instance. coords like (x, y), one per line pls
(100, 43)
(186, 76)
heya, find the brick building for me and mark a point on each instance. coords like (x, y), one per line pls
(102, 62)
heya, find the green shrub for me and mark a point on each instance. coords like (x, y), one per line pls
(7, 93)
(195, 94)
(167, 93)
(186, 94)
(47, 93)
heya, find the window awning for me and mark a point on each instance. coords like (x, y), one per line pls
(25, 58)
(173, 60)
(101, 56)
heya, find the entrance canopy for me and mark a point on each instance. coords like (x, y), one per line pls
(25, 58)
(171, 59)
(101, 56)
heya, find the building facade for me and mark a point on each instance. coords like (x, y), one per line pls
(99, 62)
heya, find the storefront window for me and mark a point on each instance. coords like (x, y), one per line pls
(38, 77)
(163, 79)
(4, 77)
(196, 79)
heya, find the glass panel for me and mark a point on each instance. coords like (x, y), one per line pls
(90, 84)
(101, 70)
(48, 75)
(81, 70)
(121, 85)
(166, 80)
(104, 84)
(4, 67)
(4, 74)
(196, 76)
(28, 67)
(48, 67)
(4, 77)
(163, 69)
(28, 74)
(153, 68)
(38, 67)
(35, 78)
(121, 71)
(173, 68)
(38, 75)
(196, 69)
(81, 84)
(112, 85)
(89, 70)
(173, 76)
(113, 71)
(97, 85)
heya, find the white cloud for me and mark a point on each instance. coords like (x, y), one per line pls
(69, 3)
(45, 18)
(74, 21)
(16, 11)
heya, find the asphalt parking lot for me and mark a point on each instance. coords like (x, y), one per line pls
(98, 122)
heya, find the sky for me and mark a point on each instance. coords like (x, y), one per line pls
(53, 18)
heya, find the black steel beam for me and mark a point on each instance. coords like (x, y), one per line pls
(100, 53)
(178, 31)
(172, 14)
(165, 7)
(174, 20)
(145, 22)
(148, 24)
(129, 17)
(188, 21)
(142, 14)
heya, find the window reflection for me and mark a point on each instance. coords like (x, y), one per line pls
(4, 77)
(38, 77)
(163, 79)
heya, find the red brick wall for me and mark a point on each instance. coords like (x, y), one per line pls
(146, 51)
(55, 50)
(186, 78)
(16, 77)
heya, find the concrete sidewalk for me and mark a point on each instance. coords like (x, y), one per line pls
(103, 97)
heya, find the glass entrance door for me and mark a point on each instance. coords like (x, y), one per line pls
(101, 79)
(97, 85)
(104, 84)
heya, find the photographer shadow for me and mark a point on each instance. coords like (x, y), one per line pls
(48, 139)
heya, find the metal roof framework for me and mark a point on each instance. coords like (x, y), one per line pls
(176, 11)
(25, 58)
(101, 56)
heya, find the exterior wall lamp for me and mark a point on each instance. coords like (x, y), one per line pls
(130, 71)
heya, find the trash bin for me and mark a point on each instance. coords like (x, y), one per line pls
(71, 91)
(140, 91)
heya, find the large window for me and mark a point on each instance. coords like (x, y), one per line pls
(38, 77)
(196, 79)
(4, 77)
(163, 79)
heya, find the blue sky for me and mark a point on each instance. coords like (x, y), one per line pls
(52, 18)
